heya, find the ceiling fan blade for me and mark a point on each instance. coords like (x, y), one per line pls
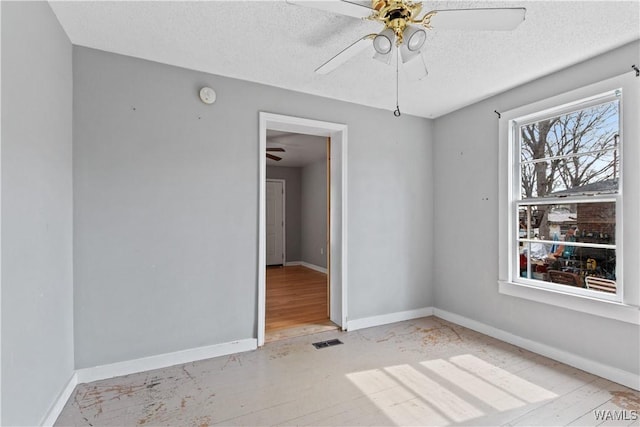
(275, 149)
(494, 19)
(272, 157)
(345, 55)
(342, 7)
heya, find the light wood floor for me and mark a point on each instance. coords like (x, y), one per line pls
(296, 302)
(421, 372)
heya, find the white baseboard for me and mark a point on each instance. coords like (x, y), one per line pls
(614, 374)
(112, 370)
(385, 319)
(308, 265)
(58, 405)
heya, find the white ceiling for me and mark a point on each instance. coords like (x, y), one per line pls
(300, 150)
(280, 44)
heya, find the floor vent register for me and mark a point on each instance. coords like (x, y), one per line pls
(325, 344)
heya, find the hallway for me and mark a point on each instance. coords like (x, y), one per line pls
(296, 302)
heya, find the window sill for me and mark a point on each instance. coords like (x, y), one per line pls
(611, 310)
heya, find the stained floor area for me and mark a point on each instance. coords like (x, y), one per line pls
(421, 372)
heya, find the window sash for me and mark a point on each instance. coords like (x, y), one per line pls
(517, 200)
(569, 200)
(574, 244)
(516, 240)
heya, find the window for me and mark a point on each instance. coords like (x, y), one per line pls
(567, 186)
(568, 178)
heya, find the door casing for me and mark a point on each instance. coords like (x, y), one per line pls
(338, 209)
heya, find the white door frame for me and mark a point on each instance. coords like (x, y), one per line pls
(284, 217)
(0, 232)
(338, 213)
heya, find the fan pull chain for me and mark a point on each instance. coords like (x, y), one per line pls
(397, 111)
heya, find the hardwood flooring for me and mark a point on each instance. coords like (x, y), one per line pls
(420, 372)
(296, 302)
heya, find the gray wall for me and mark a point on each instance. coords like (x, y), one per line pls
(166, 206)
(306, 211)
(314, 213)
(466, 262)
(293, 231)
(37, 288)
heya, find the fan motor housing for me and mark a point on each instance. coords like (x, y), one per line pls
(395, 9)
(396, 14)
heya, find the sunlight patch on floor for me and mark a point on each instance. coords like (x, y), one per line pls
(507, 381)
(484, 391)
(398, 403)
(408, 396)
(451, 405)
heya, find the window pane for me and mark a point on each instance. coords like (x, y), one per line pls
(597, 263)
(591, 222)
(558, 253)
(571, 152)
(587, 174)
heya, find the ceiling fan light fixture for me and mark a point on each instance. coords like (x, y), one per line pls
(383, 42)
(414, 37)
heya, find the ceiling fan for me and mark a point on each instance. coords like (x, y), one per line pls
(405, 25)
(273, 157)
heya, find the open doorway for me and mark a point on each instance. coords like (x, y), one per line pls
(317, 259)
(297, 235)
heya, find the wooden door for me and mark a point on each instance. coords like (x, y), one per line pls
(275, 222)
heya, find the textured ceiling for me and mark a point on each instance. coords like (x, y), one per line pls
(280, 44)
(300, 150)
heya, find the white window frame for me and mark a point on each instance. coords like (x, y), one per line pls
(624, 304)
(517, 201)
